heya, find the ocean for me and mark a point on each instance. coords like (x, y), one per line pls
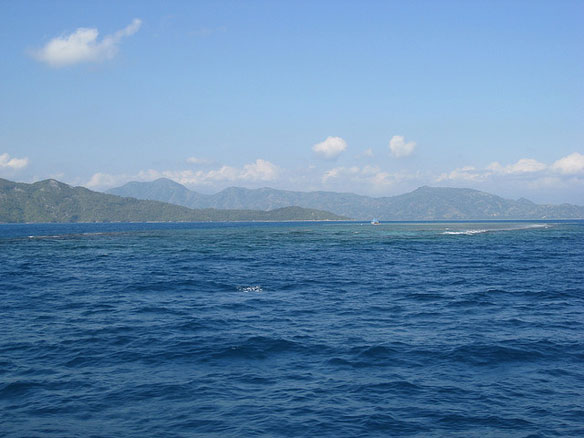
(292, 330)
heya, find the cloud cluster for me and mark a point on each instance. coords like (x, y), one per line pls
(331, 148)
(260, 170)
(399, 147)
(83, 46)
(12, 163)
(572, 164)
(524, 165)
(466, 173)
(105, 180)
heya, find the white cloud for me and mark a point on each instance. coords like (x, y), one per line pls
(570, 164)
(105, 180)
(470, 173)
(383, 179)
(399, 148)
(466, 173)
(260, 170)
(332, 173)
(524, 165)
(527, 173)
(340, 172)
(13, 163)
(82, 46)
(331, 148)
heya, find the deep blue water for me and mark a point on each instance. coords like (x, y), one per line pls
(292, 330)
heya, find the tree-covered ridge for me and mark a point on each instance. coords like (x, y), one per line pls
(54, 201)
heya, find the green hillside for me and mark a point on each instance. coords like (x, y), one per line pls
(53, 201)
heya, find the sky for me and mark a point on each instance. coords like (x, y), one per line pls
(371, 97)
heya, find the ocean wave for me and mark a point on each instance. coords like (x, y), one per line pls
(469, 232)
(256, 347)
(494, 354)
(223, 331)
(250, 289)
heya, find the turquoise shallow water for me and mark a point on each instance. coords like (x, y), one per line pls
(312, 329)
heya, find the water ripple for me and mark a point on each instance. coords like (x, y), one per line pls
(280, 330)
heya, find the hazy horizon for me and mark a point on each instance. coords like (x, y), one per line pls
(373, 98)
(213, 192)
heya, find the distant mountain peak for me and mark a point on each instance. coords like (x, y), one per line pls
(525, 201)
(164, 180)
(424, 203)
(54, 201)
(51, 184)
(445, 189)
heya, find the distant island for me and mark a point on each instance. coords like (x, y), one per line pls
(164, 200)
(54, 201)
(424, 203)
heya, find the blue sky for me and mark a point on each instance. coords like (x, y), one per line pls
(372, 97)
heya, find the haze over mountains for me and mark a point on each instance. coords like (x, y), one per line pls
(165, 200)
(54, 201)
(424, 203)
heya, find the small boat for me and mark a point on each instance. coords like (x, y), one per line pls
(375, 222)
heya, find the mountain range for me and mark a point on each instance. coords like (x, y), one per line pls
(424, 203)
(54, 201)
